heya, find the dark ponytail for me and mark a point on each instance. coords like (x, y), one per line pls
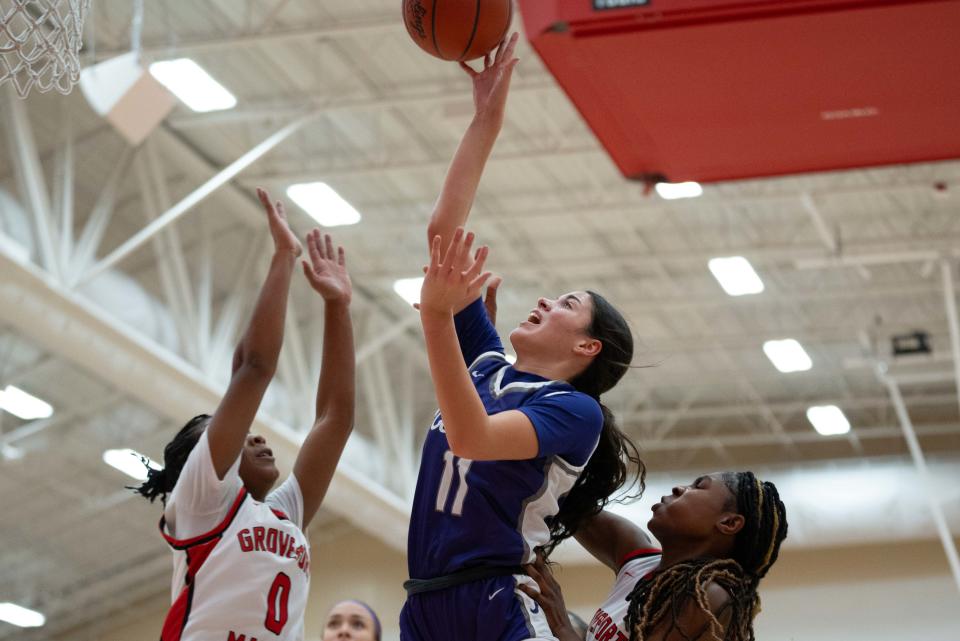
(616, 461)
(159, 483)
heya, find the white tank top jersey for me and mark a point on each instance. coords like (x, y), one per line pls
(608, 623)
(241, 567)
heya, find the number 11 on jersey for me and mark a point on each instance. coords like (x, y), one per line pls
(443, 492)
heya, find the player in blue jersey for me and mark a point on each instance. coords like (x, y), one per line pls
(518, 456)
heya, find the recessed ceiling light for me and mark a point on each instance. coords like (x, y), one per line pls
(323, 204)
(787, 355)
(736, 275)
(675, 191)
(22, 405)
(21, 616)
(828, 420)
(130, 462)
(189, 82)
(409, 289)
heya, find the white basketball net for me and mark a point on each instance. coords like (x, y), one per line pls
(40, 43)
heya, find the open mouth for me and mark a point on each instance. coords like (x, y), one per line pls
(534, 318)
(265, 454)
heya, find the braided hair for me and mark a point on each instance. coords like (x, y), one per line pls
(659, 600)
(159, 483)
(616, 460)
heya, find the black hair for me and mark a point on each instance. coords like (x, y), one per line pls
(616, 459)
(755, 549)
(159, 483)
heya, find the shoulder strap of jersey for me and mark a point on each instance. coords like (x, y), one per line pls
(182, 544)
(640, 553)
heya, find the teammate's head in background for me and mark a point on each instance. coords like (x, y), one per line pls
(351, 621)
(729, 527)
(258, 470)
(588, 341)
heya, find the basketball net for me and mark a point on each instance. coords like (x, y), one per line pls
(40, 44)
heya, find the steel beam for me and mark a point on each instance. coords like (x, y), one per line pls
(29, 171)
(43, 311)
(916, 453)
(198, 195)
(950, 301)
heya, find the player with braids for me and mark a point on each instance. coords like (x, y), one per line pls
(720, 536)
(241, 556)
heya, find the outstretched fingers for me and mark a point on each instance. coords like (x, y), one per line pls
(474, 270)
(314, 248)
(451, 252)
(511, 46)
(435, 263)
(265, 200)
(328, 246)
(470, 71)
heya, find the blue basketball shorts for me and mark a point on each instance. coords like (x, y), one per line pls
(487, 610)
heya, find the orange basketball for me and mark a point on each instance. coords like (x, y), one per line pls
(457, 29)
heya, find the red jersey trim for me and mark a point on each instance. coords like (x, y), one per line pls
(639, 554)
(179, 614)
(180, 544)
(280, 515)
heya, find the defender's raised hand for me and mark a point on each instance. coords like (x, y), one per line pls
(327, 269)
(283, 238)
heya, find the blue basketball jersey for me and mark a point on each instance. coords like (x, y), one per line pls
(495, 513)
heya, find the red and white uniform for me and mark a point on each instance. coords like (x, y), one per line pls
(241, 568)
(607, 624)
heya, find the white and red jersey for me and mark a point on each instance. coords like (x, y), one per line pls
(241, 567)
(608, 623)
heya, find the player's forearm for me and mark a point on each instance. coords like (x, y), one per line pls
(261, 343)
(608, 538)
(463, 179)
(464, 417)
(336, 390)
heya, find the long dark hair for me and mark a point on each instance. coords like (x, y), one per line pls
(755, 549)
(159, 483)
(616, 459)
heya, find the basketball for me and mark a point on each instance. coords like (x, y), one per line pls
(457, 29)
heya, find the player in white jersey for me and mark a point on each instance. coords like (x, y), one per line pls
(241, 556)
(719, 535)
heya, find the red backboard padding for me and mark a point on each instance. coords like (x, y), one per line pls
(712, 90)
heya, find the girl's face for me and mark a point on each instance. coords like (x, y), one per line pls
(555, 324)
(695, 512)
(258, 469)
(349, 621)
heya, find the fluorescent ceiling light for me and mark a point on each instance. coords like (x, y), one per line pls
(787, 355)
(736, 275)
(20, 616)
(409, 289)
(323, 204)
(828, 420)
(129, 462)
(23, 405)
(674, 191)
(190, 83)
